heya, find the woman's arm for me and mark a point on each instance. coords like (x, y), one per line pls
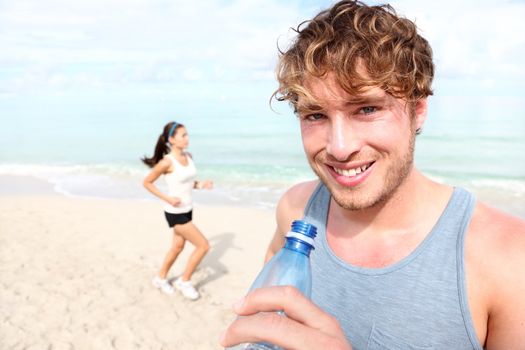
(207, 184)
(159, 169)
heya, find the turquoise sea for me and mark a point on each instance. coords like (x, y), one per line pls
(251, 152)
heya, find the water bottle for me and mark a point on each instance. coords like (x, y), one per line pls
(290, 266)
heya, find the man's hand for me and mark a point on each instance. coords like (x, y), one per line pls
(305, 326)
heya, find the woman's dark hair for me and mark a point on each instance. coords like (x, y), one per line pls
(162, 147)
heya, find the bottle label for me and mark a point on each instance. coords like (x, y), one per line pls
(301, 237)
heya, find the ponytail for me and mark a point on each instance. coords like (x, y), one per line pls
(162, 148)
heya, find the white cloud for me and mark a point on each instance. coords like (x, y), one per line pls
(65, 44)
(472, 39)
(170, 40)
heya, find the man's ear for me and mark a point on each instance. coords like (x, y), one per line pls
(420, 113)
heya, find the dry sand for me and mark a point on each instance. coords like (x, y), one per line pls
(76, 273)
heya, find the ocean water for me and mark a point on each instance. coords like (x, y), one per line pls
(471, 141)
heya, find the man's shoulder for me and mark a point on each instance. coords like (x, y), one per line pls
(497, 229)
(496, 247)
(299, 194)
(294, 200)
(495, 257)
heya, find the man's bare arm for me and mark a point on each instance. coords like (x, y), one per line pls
(290, 207)
(496, 265)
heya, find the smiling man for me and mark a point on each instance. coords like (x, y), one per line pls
(401, 262)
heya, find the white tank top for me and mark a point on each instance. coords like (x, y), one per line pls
(180, 184)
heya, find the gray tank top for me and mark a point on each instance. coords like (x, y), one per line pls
(417, 303)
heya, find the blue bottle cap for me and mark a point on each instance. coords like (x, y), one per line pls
(305, 228)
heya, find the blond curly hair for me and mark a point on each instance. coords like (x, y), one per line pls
(396, 58)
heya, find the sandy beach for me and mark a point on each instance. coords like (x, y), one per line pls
(76, 273)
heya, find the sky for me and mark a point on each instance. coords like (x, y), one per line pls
(214, 52)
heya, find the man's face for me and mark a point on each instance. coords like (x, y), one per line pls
(361, 147)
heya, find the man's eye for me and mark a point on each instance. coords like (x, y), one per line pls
(314, 117)
(368, 110)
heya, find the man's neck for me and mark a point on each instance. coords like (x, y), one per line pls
(417, 200)
(386, 233)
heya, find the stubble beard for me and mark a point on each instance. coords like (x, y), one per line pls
(356, 198)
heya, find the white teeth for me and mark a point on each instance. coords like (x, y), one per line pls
(351, 172)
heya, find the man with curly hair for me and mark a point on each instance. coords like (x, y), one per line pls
(400, 262)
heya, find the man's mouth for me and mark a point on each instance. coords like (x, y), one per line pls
(353, 171)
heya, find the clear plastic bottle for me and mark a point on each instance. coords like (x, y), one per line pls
(290, 266)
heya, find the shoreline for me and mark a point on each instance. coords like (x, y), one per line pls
(27, 185)
(505, 200)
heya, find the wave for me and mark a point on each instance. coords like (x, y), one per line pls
(234, 186)
(256, 186)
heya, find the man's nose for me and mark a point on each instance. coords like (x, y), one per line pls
(343, 139)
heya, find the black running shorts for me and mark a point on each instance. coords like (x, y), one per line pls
(178, 219)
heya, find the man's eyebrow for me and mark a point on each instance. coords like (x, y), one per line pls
(311, 106)
(308, 107)
(366, 99)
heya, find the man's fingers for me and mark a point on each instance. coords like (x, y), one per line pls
(255, 328)
(290, 300)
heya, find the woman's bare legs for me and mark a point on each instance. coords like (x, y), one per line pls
(177, 244)
(191, 233)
